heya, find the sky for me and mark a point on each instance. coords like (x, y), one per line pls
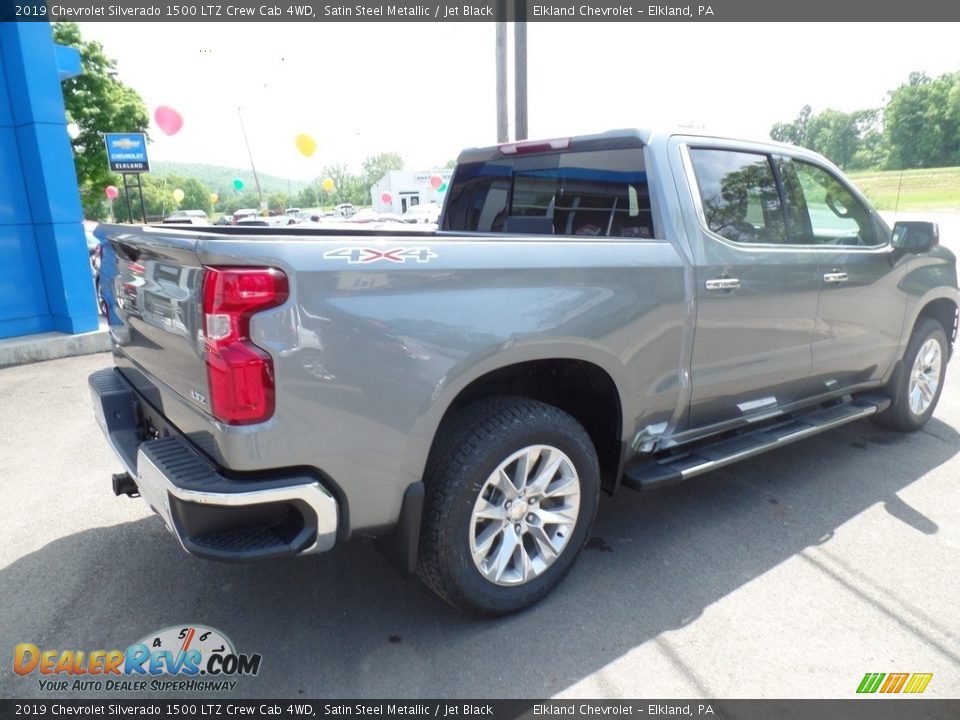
(427, 90)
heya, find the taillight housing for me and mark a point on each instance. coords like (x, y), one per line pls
(239, 373)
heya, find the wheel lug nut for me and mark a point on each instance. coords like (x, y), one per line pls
(517, 527)
(533, 501)
(531, 518)
(507, 504)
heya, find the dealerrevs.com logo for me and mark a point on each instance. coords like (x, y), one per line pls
(179, 658)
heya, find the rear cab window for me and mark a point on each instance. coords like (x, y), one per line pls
(588, 193)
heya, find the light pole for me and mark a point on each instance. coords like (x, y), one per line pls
(256, 180)
(519, 72)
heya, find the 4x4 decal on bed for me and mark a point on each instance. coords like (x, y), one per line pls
(355, 255)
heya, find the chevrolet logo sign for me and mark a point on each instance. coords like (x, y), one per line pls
(126, 143)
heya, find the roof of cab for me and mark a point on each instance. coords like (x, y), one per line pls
(627, 138)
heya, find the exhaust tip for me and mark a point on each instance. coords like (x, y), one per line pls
(123, 484)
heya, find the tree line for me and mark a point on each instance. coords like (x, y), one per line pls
(918, 127)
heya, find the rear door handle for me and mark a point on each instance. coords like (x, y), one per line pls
(835, 277)
(722, 284)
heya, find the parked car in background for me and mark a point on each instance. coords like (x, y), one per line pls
(299, 216)
(369, 215)
(270, 221)
(344, 210)
(93, 251)
(243, 213)
(421, 214)
(187, 217)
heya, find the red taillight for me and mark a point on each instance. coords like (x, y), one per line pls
(240, 374)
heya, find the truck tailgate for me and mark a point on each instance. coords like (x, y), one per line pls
(153, 282)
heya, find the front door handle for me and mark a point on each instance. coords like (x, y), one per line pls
(835, 277)
(722, 284)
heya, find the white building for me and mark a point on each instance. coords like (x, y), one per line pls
(400, 190)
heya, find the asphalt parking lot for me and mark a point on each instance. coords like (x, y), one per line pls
(789, 575)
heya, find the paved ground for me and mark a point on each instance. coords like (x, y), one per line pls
(790, 575)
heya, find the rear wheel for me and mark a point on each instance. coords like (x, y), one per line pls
(916, 391)
(512, 490)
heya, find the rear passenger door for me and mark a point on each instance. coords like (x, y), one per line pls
(861, 311)
(756, 293)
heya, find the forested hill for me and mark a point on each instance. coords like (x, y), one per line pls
(216, 176)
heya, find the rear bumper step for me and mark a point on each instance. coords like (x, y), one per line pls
(681, 465)
(211, 515)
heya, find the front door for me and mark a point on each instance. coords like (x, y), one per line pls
(861, 312)
(756, 292)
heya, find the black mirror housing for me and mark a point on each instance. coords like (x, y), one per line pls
(915, 236)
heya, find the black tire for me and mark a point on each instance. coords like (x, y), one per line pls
(472, 444)
(900, 416)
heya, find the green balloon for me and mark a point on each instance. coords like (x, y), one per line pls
(238, 184)
(442, 188)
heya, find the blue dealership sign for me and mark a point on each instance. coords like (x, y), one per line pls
(127, 152)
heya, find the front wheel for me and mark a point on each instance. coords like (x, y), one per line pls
(512, 490)
(916, 391)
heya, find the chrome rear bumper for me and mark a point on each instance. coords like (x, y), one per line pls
(212, 515)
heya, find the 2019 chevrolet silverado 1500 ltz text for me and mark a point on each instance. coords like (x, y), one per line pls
(622, 309)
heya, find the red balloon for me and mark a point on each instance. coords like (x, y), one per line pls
(387, 197)
(112, 192)
(435, 181)
(168, 120)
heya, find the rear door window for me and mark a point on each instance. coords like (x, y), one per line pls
(598, 193)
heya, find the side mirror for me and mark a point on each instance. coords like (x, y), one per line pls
(915, 236)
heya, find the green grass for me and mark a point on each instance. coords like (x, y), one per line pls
(927, 189)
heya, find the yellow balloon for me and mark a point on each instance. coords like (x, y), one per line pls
(305, 144)
(213, 198)
(327, 184)
(178, 195)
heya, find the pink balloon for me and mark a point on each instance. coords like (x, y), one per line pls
(112, 192)
(435, 181)
(386, 197)
(168, 120)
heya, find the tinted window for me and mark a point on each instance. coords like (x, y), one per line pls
(739, 196)
(595, 193)
(822, 210)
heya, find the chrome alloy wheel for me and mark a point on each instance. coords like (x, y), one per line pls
(524, 515)
(925, 377)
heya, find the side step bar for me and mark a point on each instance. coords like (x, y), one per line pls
(683, 464)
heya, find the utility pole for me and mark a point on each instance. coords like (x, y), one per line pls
(501, 11)
(520, 72)
(519, 15)
(256, 180)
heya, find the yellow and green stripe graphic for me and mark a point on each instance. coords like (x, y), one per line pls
(894, 682)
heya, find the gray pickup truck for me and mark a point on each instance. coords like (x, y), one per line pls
(623, 309)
